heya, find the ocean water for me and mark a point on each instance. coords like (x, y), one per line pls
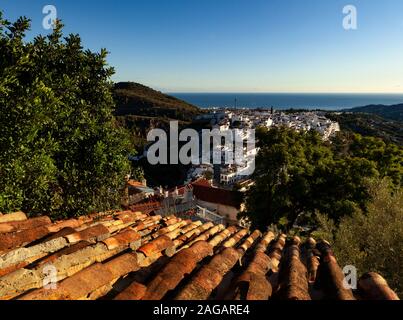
(288, 100)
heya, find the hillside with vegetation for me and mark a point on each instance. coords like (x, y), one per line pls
(392, 112)
(136, 99)
(140, 109)
(359, 240)
(370, 125)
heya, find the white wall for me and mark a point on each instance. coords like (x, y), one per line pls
(228, 212)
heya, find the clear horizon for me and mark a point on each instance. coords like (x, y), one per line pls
(285, 93)
(235, 46)
(328, 101)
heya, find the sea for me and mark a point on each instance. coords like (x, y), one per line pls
(281, 101)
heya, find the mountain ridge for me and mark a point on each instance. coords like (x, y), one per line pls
(133, 98)
(391, 112)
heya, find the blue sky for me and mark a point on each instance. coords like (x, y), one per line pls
(238, 45)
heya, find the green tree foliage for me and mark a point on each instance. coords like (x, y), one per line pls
(297, 174)
(371, 239)
(387, 157)
(61, 152)
(369, 125)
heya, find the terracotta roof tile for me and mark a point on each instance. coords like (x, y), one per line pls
(195, 233)
(63, 252)
(172, 227)
(235, 239)
(12, 268)
(90, 233)
(129, 216)
(330, 274)
(209, 232)
(15, 216)
(276, 250)
(188, 232)
(14, 226)
(88, 281)
(71, 223)
(264, 243)
(181, 264)
(16, 239)
(293, 282)
(373, 286)
(124, 238)
(157, 245)
(252, 284)
(134, 183)
(312, 266)
(134, 292)
(32, 253)
(146, 223)
(250, 241)
(209, 276)
(130, 255)
(222, 235)
(201, 182)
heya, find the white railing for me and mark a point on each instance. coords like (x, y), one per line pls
(200, 213)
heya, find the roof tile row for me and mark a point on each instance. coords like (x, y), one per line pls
(131, 255)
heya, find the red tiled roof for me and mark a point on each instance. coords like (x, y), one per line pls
(134, 183)
(217, 195)
(181, 189)
(132, 256)
(148, 206)
(202, 182)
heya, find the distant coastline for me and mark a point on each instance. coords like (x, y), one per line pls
(324, 101)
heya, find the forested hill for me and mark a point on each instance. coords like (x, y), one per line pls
(135, 99)
(372, 125)
(392, 112)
